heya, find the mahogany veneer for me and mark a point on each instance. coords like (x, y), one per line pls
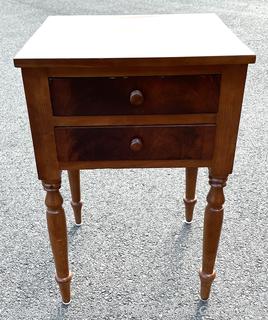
(114, 143)
(159, 95)
(134, 91)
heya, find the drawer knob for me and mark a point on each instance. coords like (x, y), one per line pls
(136, 98)
(136, 144)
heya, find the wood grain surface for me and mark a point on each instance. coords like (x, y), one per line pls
(114, 143)
(114, 95)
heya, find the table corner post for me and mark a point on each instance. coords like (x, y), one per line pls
(212, 229)
(57, 230)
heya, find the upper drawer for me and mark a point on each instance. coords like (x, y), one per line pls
(135, 95)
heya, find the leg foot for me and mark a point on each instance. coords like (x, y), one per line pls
(57, 230)
(74, 180)
(188, 222)
(77, 207)
(64, 285)
(189, 199)
(206, 282)
(211, 234)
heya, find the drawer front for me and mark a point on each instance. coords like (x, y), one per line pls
(135, 95)
(181, 142)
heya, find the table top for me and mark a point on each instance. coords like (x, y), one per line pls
(185, 38)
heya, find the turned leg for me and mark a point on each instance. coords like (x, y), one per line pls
(58, 237)
(211, 234)
(189, 199)
(74, 179)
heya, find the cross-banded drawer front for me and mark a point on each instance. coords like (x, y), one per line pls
(183, 94)
(181, 142)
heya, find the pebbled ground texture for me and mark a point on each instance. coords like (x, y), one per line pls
(133, 258)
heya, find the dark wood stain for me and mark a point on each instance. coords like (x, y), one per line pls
(114, 143)
(111, 95)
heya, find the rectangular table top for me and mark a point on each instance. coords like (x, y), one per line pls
(86, 40)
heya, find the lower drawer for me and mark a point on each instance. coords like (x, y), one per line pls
(178, 142)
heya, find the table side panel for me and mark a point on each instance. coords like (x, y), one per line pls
(40, 116)
(228, 118)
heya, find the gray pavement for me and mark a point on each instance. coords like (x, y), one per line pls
(133, 258)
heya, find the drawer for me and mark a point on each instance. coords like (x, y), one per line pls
(178, 142)
(135, 95)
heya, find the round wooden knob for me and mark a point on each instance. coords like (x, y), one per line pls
(136, 144)
(136, 98)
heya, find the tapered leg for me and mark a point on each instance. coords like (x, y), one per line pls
(58, 237)
(211, 234)
(189, 199)
(74, 179)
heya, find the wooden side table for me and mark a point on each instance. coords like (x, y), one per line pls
(134, 91)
